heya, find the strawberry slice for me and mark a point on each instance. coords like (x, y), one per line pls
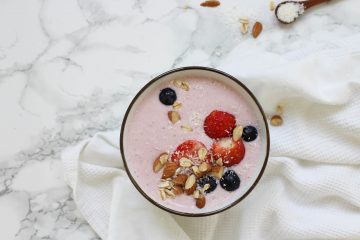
(231, 152)
(219, 124)
(188, 149)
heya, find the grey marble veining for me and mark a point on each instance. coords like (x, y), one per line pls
(69, 68)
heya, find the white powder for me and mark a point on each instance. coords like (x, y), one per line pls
(288, 12)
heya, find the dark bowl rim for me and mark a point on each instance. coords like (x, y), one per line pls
(146, 87)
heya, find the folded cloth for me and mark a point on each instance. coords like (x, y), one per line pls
(310, 189)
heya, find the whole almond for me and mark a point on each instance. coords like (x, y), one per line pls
(180, 180)
(257, 28)
(190, 184)
(210, 3)
(174, 116)
(169, 170)
(200, 202)
(237, 133)
(205, 167)
(217, 171)
(178, 190)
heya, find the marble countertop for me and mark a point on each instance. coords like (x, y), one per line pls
(66, 67)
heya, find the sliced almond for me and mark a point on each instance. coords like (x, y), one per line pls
(244, 20)
(196, 194)
(200, 202)
(206, 187)
(163, 158)
(177, 105)
(185, 162)
(237, 133)
(197, 172)
(174, 116)
(276, 120)
(205, 167)
(169, 193)
(177, 190)
(190, 184)
(162, 194)
(257, 29)
(244, 28)
(186, 128)
(202, 153)
(180, 180)
(164, 184)
(217, 171)
(272, 6)
(169, 170)
(182, 84)
(157, 165)
(219, 162)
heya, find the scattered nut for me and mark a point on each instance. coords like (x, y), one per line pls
(244, 25)
(217, 171)
(169, 193)
(202, 153)
(177, 105)
(196, 194)
(276, 120)
(177, 190)
(205, 167)
(162, 194)
(200, 202)
(272, 6)
(169, 170)
(174, 116)
(185, 162)
(219, 162)
(190, 184)
(210, 3)
(181, 84)
(237, 133)
(257, 28)
(180, 180)
(186, 128)
(197, 172)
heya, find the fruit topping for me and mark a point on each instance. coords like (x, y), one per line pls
(207, 180)
(250, 133)
(188, 149)
(230, 181)
(231, 152)
(219, 124)
(167, 96)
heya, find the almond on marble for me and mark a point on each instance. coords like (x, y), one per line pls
(257, 29)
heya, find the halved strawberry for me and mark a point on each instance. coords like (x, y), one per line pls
(231, 152)
(188, 149)
(219, 124)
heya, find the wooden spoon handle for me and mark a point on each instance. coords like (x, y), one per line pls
(311, 3)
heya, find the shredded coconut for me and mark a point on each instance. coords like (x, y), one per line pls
(288, 12)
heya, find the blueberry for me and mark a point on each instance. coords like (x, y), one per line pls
(230, 181)
(167, 96)
(250, 133)
(210, 180)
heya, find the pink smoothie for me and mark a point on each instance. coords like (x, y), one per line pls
(148, 133)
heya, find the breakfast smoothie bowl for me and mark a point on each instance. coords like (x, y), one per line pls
(194, 141)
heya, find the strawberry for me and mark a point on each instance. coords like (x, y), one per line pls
(219, 124)
(188, 149)
(231, 152)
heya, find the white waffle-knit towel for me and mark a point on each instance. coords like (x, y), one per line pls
(311, 187)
